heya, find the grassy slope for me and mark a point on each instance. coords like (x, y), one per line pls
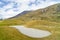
(45, 19)
(7, 33)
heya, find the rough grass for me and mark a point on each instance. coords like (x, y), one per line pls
(53, 27)
(7, 33)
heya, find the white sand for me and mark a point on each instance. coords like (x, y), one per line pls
(35, 33)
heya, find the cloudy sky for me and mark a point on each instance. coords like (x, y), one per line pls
(10, 8)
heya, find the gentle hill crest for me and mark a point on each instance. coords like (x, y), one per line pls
(50, 13)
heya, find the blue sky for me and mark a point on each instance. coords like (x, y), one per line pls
(10, 8)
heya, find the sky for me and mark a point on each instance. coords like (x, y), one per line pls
(10, 8)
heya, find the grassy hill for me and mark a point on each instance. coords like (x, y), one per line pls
(51, 13)
(46, 19)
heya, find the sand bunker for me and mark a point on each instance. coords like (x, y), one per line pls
(31, 32)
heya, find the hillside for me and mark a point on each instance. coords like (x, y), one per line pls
(50, 13)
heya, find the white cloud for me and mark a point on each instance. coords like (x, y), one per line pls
(23, 5)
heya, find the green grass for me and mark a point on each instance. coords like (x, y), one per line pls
(7, 33)
(53, 27)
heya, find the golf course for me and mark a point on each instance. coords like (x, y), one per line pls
(46, 19)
